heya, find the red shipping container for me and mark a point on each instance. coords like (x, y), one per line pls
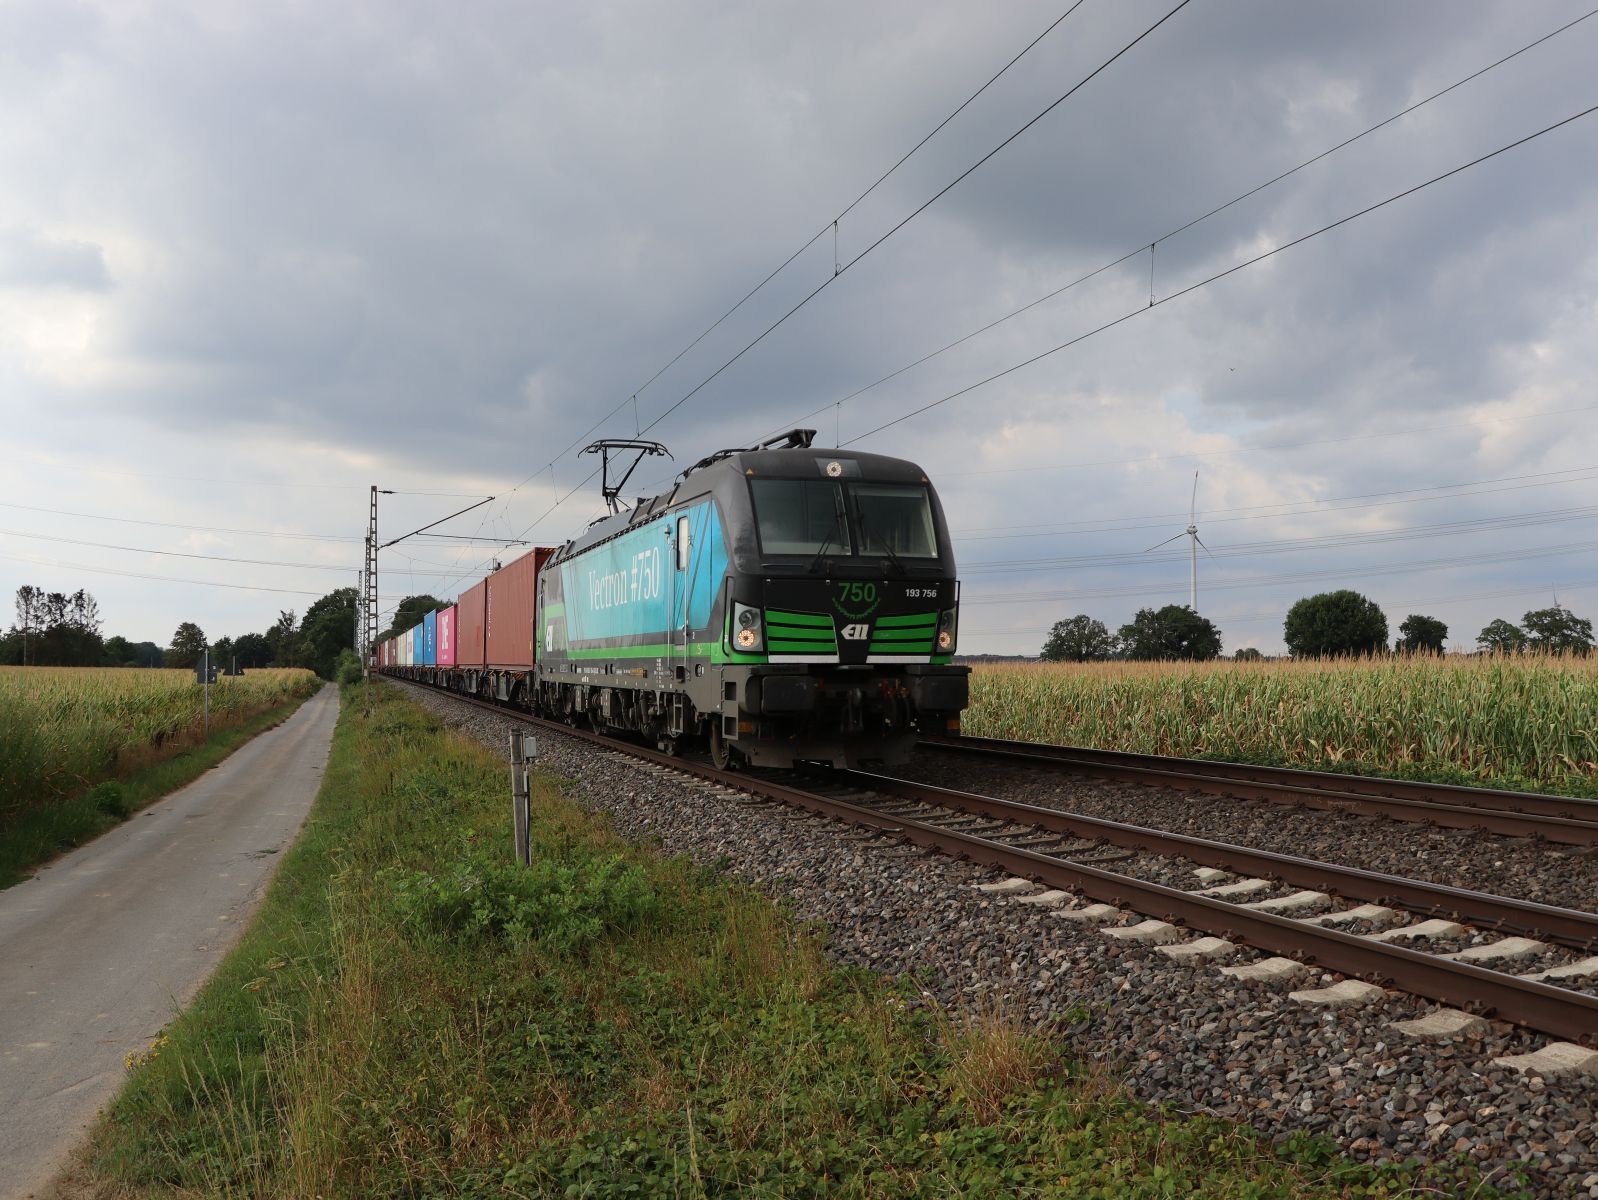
(446, 636)
(469, 643)
(508, 612)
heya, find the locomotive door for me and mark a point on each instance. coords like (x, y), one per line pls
(678, 608)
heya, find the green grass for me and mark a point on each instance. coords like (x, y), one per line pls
(411, 1016)
(41, 833)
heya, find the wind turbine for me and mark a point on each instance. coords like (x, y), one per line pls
(1190, 532)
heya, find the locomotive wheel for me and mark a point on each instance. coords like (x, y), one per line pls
(721, 754)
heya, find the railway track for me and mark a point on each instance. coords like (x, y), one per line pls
(1567, 820)
(1064, 854)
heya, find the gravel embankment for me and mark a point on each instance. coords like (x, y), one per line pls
(1187, 1036)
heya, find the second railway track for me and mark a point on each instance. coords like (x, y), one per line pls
(1566, 820)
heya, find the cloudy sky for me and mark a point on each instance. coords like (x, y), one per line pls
(255, 258)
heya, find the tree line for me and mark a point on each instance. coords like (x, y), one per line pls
(1330, 624)
(55, 629)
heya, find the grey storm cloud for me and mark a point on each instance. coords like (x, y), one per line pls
(447, 242)
(29, 260)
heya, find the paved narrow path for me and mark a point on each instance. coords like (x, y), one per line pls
(100, 949)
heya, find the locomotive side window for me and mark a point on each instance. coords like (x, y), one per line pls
(800, 516)
(894, 518)
(682, 543)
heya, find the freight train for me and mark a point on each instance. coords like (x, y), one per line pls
(779, 604)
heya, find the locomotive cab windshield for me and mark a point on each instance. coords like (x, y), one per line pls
(817, 518)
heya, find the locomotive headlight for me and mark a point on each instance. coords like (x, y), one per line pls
(747, 636)
(946, 631)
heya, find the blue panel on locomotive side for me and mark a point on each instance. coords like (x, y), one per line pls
(627, 591)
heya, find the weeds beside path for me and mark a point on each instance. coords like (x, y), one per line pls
(38, 833)
(413, 1016)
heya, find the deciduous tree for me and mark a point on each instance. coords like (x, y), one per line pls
(57, 629)
(148, 654)
(1557, 630)
(285, 638)
(118, 652)
(1422, 634)
(1499, 636)
(1078, 639)
(252, 650)
(188, 643)
(1172, 632)
(328, 629)
(1334, 623)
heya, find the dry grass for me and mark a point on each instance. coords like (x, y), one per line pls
(1529, 722)
(992, 1058)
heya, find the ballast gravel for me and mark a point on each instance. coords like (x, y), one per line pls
(1183, 1034)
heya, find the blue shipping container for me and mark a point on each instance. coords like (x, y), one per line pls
(430, 640)
(416, 645)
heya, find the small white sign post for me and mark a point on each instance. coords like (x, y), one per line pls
(523, 750)
(206, 675)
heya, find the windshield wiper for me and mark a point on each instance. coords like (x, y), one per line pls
(837, 520)
(865, 536)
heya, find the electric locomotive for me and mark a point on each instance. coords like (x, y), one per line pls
(781, 604)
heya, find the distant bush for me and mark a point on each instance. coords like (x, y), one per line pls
(347, 671)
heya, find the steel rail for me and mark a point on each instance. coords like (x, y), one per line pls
(1568, 820)
(1569, 926)
(1559, 1011)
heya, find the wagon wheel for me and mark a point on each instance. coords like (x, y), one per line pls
(720, 751)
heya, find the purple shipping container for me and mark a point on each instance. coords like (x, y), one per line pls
(446, 636)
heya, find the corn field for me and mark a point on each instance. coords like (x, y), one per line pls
(1523, 722)
(63, 729)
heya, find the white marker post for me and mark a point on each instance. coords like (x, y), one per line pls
(523, 750)
(202, 671)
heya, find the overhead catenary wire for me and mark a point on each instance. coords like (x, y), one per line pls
(1148, 246)
(1386, 434)
(840, 270)
(232, 481)
(1274, 546)
(242, 587)
(282, 534)
(1270, 512)
(252, 562)
(830, 226)
(1219, 275)
(973, 595)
